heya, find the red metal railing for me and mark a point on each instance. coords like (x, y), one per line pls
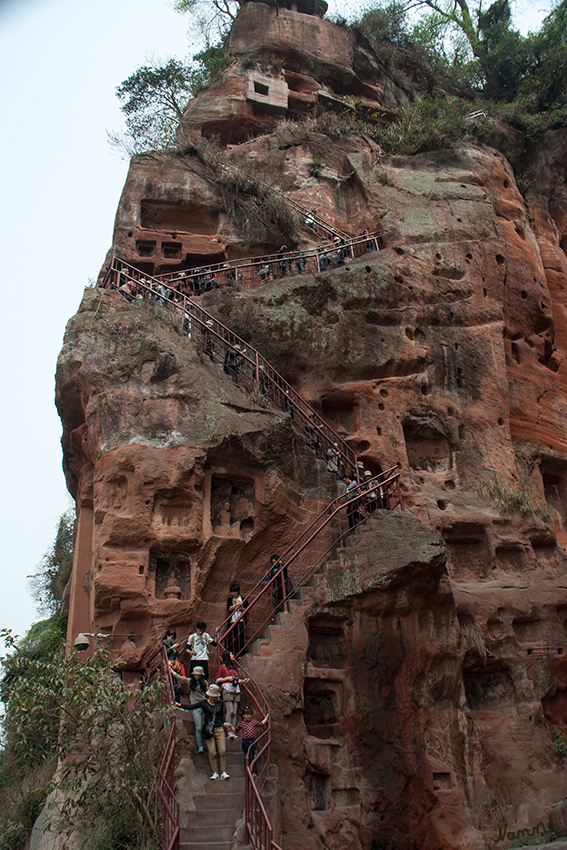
(166, 773)
(306, 554)
(242, 363)
(259, 830)
(270, 595)
(251, 272)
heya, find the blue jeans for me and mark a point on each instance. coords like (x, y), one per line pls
(249, 748)
(198, 718)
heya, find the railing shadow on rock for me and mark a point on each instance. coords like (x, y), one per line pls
(243, 364)
(166, 772)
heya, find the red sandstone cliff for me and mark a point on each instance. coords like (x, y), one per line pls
(414, 688)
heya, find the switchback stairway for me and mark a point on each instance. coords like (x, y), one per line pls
(296, 566)
(242, 363)
(212, 823)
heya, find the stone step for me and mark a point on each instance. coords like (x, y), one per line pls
(206, 833)
(236, 769)
(209, 845)
(222, 817)
(220, 799)
(236, 781)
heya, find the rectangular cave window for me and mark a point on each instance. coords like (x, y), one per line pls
(322, 709)
(346, 797)
(327, 647)
(319, 787)
(442, 782)
(145, 249)
(260, 88)
(171, 250)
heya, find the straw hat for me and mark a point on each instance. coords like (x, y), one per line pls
(213, 691)
(199, 670)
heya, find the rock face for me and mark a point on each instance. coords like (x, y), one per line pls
(414, 688)
(158, 443)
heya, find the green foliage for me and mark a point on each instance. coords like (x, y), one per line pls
(108, 738)
(559, 743)
(48, 584)
(504, 52)
(13, 836)
(27, 670)
(153, 98)
(316, 167)
(536, 840)
(546, 83)
(523, 114)
(211, 62)
(385, 24)
(476, 50)
(432, 124)
(507, 498)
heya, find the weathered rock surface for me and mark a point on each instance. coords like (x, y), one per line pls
(157, 444)
(414, 687)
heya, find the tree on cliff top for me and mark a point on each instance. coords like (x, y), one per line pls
(155, 96)
(454, 33)
(212, 18)
(153, 99)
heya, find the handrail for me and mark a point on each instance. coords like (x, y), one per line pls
(242, 363)
(258, 829)
(306, 554)
(166, 772)
(248, 271)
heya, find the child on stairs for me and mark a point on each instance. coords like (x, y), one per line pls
(248, 725)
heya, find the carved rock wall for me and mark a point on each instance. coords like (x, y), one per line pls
(181, 480)
(414, 688)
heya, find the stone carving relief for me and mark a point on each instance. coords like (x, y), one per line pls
(232, 507)
(323, 700)
(327, 648)
(172, 575)
(111, 496)
(427, 448)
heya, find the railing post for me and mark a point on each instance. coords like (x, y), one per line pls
(257, 367)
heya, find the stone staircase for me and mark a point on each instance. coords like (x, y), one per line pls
(301, 599)
(210, 811)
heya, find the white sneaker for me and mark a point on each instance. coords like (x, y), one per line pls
(215, 775)
(225, 775)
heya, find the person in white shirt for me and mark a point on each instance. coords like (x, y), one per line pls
(198, 648)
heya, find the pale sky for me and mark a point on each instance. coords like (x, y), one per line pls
(60, 62)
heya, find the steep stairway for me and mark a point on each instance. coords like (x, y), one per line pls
(242, 363)
(219, 804)
(301, 598)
